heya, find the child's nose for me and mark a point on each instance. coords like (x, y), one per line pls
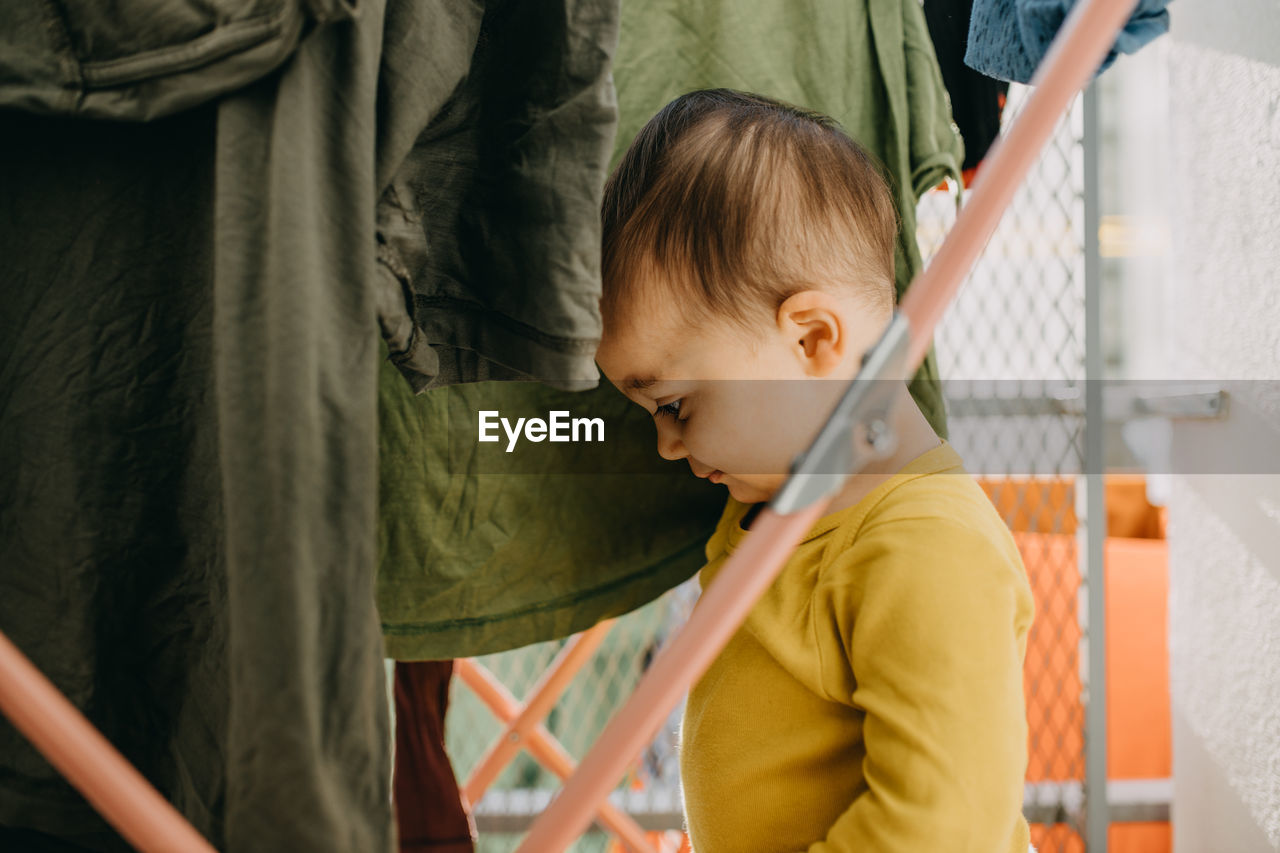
(670, 447)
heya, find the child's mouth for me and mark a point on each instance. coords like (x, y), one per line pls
(715, 476)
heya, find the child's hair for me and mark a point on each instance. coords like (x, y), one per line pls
(737, 201)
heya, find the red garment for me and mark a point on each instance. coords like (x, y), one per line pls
(430, 812)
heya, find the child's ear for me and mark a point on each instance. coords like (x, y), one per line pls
(812, 322)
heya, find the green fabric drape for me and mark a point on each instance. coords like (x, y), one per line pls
(474, 561)
(189, 364)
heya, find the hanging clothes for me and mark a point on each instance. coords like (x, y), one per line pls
(977, 101)
(490, 226)
(481, 552)
(146, 59)
(430, 813)
(189, 363)
(1008, 38)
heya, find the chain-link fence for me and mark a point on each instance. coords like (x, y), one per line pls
(1009, 348)
(651, 791)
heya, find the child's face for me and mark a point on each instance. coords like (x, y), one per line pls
(738, 414)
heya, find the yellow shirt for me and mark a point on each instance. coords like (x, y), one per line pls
(872, 702)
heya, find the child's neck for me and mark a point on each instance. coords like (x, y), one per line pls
(915, 436)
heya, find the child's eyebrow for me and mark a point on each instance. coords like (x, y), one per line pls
(637, 384)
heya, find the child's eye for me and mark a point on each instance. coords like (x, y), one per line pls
(672, 409)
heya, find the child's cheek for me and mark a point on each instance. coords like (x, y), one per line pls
(700, 439)
(722, 442)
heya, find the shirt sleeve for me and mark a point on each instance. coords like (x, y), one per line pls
(923, 625)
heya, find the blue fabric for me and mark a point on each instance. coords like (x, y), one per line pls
(1008, 38)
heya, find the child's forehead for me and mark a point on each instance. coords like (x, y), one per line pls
(637, 352)
(646, 359)
(645, 325)
(640, 352)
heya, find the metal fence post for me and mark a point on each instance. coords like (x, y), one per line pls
(1097, 813)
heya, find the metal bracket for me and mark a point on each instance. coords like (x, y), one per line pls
(857, 431)
(1123, 401)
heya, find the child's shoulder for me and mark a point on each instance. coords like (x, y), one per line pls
(945, 494)
(934, 486)
(927, 520)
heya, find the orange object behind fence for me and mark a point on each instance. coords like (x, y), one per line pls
(1041, 512)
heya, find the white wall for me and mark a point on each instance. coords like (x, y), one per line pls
(1222, 127)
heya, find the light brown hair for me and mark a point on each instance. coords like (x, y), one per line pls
(736, 201)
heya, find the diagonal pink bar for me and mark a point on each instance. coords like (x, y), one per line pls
(546, 749)
(79, 752)
(1086, 35)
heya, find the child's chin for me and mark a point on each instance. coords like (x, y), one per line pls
(743, 493)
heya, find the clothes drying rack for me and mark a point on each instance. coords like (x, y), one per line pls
(855, 434)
